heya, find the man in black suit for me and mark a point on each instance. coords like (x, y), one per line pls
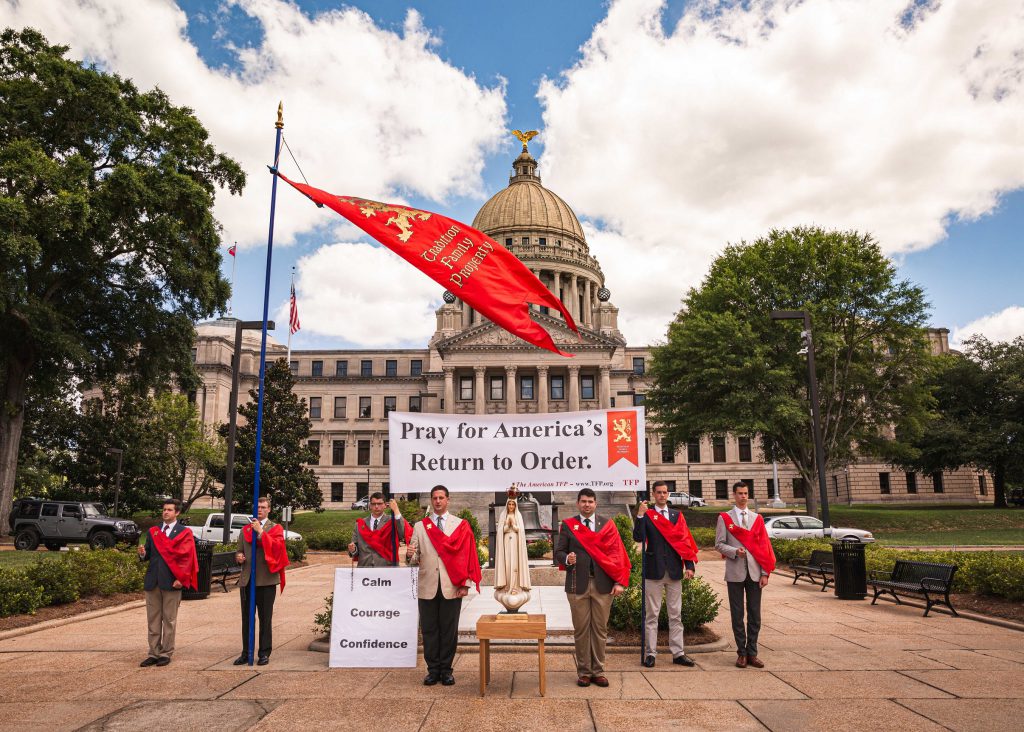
(163, 589)
(663, 570)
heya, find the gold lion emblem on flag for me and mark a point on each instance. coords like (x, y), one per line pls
(623, 430)
(402, 219)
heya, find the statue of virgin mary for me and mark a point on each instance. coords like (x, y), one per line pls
(511, 562)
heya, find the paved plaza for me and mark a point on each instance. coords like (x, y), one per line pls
(829, 665)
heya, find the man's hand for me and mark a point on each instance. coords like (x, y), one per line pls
(410, 550)
(741, 552)
(240, 557)
(142, 551)
(257, 527)
(763, 581)
(393, 505)
(689, 574)
(176, 585)
(461, 591)
(570, 558)
(617, 590)
(642, 510)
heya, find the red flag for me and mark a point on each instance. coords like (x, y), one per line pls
(456, 256)
(293, 315)
(604, 547)
(180, 555)
(677, 535)
(755, 540)
(380, 540)
(457, 552)
(232, 248)
(274, 549)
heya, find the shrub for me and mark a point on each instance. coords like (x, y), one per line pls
(411, 511)
(704, 537)
(467, 515)
(482, 555)
(18, 593)
(537, 549)
(332, 541)
(57, 579)
(296, 549)
(322, 619)
(107, 571)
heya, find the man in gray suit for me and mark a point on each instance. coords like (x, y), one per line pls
(743, 576)
(266, 587)
(358, 548)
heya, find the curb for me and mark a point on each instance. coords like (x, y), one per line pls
(554, 646)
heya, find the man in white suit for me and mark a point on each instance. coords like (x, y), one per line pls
(440, 602)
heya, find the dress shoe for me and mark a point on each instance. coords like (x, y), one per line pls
(163, 660)
(741, 661)
(755, 662)
(263, 661)
(683, 660)
(241, 660)
(150, 661)
(448, 679)
(601, 681)
(583, 681)
(431, 679)
(649, 662)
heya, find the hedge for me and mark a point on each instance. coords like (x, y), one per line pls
(332, 541)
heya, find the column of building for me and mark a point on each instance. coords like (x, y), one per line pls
(480, 397)
(574, 388)
(542, 389)
(449, 390)
(606, 386)
(510, 389)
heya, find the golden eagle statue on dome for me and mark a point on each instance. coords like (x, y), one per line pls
(525, 137)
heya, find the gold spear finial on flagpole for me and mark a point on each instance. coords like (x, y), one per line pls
(280, 116)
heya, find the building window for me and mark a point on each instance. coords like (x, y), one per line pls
(647, 451)
(362, 490)
(639, 399)
(982, 485)
(745, 451)
(542, 241)
(337, 492)
(391, 367)
(316, 368)
(883, 484)
(771, 487)
(638, 366)
(586, 387)
(526, 388)
(718, 449)
(366, 368)
(314, 445)
(722, 490)
(191, 397)
(466, 388)
(340, 405)
(557, 387)
(387, 452)
(668, 450)
(799, 488)
(937, 486)
(363, 452)
(526, 241)
(697, 488)
(365, 412)
(341, 368)
(693, 451)
(195, 354)
(749, 482)
(338, 452)
(911, 482)
(497, 391)
(508, 241)
(835, 486)
(415, 404)
(390, 405)
(416, 367)
(314, 407)
(293, 366)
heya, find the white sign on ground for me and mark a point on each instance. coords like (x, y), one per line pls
(601, 449)
(375, 618)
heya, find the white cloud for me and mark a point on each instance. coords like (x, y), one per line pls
(364, 294)
(1005, 325)
(368, 112)
(841, 113)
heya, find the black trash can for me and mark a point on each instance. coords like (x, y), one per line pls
(850, 570)
(204, 553)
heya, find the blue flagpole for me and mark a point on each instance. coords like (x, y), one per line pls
(279, 125)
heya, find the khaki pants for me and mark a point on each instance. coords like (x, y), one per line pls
(674, 601)
(162, 615)
(590, 629)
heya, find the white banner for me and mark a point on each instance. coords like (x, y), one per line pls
(375, 618)
(601, 449)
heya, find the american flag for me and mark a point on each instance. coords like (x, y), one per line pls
(293, 318)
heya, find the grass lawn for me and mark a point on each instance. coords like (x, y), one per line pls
(956, 537)
(309, 522)
(18, 560)
(915, 518)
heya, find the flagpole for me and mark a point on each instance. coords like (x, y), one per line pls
(234, 261)
(291, 294)
(279, 125)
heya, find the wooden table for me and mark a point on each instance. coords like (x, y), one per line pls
(490, 627)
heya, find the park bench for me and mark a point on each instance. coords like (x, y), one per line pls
(819, 564)
(926, 579)
(223, 566)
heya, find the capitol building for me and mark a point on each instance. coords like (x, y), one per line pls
(472, 366)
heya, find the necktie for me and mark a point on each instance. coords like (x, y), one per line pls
(167, 531)
(586, 522)
(440, 522)
(664, 512)
(743, 516)
(375, 524)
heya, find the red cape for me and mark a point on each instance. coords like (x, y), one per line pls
(677, 535)
(755, 540)
(274, 549)
(605, 547)
(179, 554)
(457, 552)
(381, 540)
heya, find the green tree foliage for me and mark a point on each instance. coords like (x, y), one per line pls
(284, 475)
(108, 245)
(726, 367)
(979, 414)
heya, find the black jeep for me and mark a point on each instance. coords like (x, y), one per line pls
(54, 524)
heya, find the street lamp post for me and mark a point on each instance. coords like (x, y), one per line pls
(236, 363)
(117, 481)
(812, 377)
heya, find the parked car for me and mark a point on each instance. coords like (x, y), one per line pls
(685, 499)
(55, 524)
(213, 529)
(363, 504)
(803, 527)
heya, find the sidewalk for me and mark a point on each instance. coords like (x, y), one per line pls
(829, 665)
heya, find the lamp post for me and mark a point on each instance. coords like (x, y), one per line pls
(117, 481)
(236, 362)
(819, 450)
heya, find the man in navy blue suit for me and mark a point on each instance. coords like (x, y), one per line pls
(664, 569)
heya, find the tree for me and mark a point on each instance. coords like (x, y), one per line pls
(285, 453)
(979, 414)
(726, 367)
(108, 245)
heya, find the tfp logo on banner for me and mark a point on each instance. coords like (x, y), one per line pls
(375, 618)
(601, 449)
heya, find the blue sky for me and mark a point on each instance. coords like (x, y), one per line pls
(645, 132)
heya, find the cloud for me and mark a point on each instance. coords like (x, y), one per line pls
(364, 294)
(1005, 325)
(879, 115)
(368, 111)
